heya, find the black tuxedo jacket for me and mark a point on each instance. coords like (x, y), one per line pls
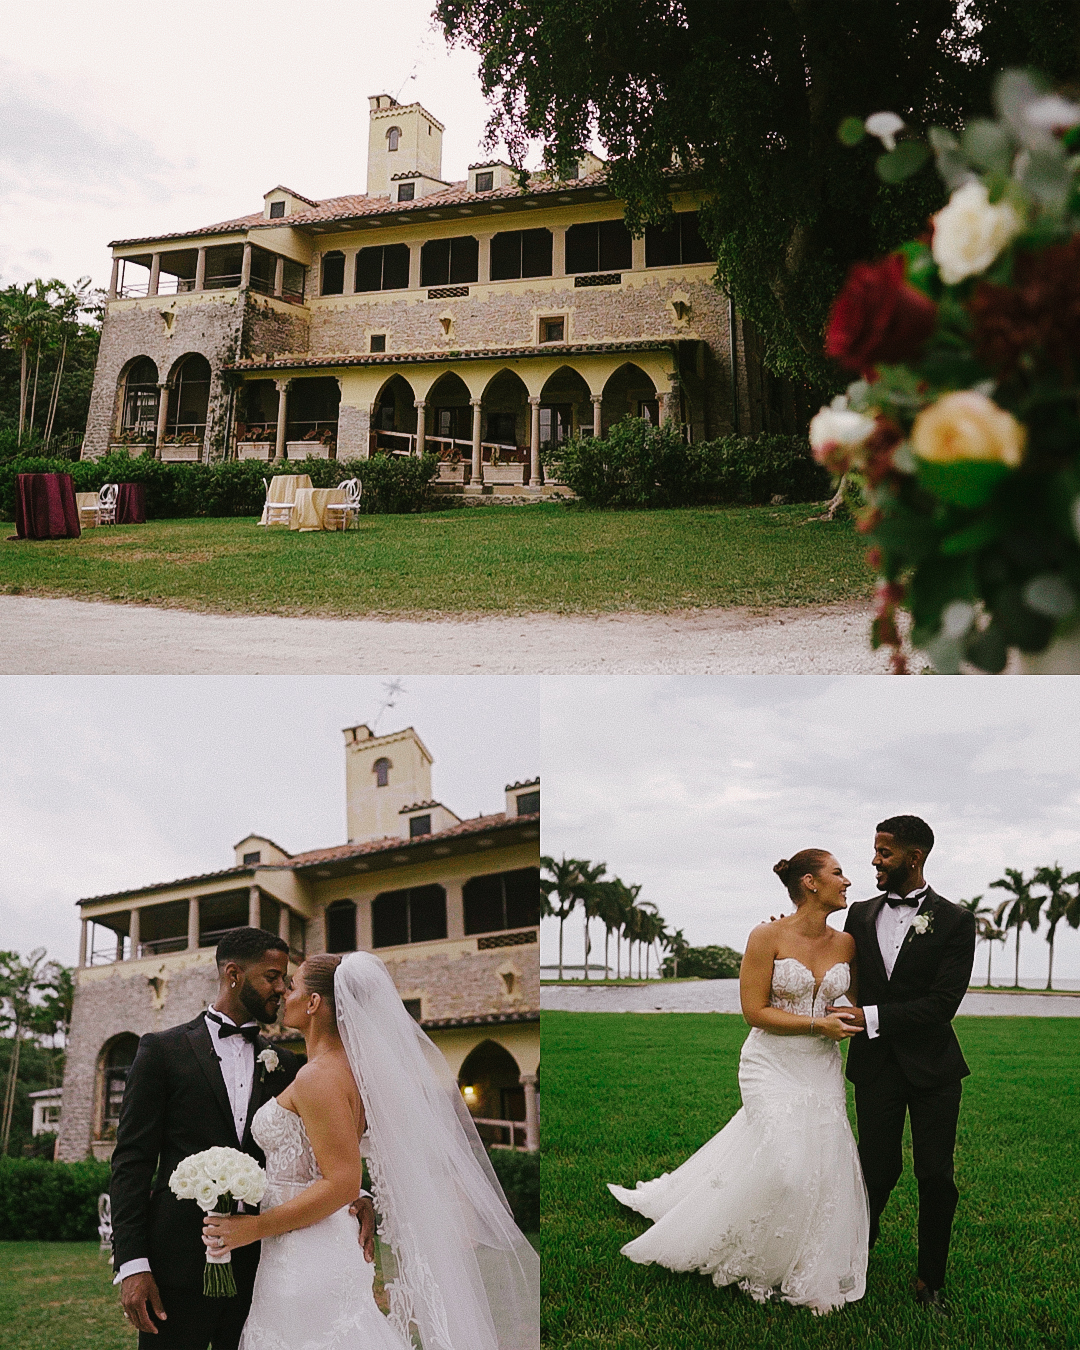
(917, 1003)
(175, 1104)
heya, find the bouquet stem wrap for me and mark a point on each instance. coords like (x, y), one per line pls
(218, 1278)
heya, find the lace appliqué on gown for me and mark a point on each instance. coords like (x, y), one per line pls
(776, 1201)
(313, 1289)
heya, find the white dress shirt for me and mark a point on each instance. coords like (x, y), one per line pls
(237, 1058)
(892, 927)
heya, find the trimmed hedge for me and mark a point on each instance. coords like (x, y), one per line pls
(50, 1202)
(232, 487)
(519, 1176)
(639, 466)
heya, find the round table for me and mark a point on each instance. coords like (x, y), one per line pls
(45, 506)
(309, 509)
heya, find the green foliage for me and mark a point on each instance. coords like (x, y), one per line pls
(641, 466)
(519, 1176)
(706, 963)
(39, 1067)
(747, 100)
(50, 1202)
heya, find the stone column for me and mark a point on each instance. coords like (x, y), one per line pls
(162, 415)
(193, 925)
(637, 253)
(83, 934)
(133, 934)
(532, 1112)
(245, 268)
(119, 946)
(558, 250)
(483, 263)
(421, 424)
(200, 270)
(155, 274)
(363, 925)
(477, 483)
(534, 442)
(282, 411)
(115, 279)
(283, 923)
(669, 405)
(455, 909)
(414, 266)
(253, 907)
(597, 403)
(279, 277)
(348, 284)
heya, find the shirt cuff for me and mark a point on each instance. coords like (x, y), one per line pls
(871, 1015)
(135, 1267)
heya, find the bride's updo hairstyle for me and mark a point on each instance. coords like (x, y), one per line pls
(792, 870)
(318, 974)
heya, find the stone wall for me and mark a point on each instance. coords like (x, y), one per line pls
(469, 983)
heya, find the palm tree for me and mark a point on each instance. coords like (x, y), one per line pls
(980, 912)
(1017, 910)
(560, 890)
(610, 907)
(1057, 904)
(19, 982)
(589, 895)
(678, 946)
(24, 310)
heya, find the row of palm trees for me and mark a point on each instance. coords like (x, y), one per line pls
(1024, 905)
(569, 883)
(40, 319)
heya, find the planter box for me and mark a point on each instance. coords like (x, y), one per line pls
(504, 474)
(180, 454)
(102, 1149)
(139, 449)
(254, 449)
(306, 450)
(453, 473)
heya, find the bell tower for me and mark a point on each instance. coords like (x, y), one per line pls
(383, 774)
(404, 149)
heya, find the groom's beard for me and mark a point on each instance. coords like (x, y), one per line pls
(255, 1007)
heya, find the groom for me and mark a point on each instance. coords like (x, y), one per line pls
(191, 1088)
(915, 952)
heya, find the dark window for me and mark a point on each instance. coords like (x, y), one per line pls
(485, 181)
(681, 244)
(552, 330)
(250, 858)
(384, 268)
(392, 138)
(412, 1005)
(502, 900)
(528, 803)
(649, 409)
(415, 915)
(341, 926)
(277, 210)
(419, 825)
(601, 247)
(556, 423)
(520, 253)
(502, 428)
(406, 192)
(449, 262)
(292, 281)
(141, 398)
(118, 1059)
(333, 273)
(381, 769)
(378, 342)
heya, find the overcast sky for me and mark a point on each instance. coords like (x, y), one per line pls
(122, 119)
(696, 787)
(108, 783)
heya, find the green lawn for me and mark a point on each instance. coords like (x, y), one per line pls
(59, 1296)
(543, 557)
(627, 1097)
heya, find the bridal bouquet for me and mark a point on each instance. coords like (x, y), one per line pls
(961, 434)
(216, 1179)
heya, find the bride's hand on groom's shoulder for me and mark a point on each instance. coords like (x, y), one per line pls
(225, 1232)
(364, 1211)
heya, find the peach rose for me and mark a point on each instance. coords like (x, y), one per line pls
(968, 425)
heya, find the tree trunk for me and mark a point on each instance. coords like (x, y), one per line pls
(33, 397)
(9, 1094)
(56, 391)
(588, 945)
(607, 948)
(1050, 971)
(23, 373)
(560, 945)
(836, 503)
(989, 958)
(1016, 976)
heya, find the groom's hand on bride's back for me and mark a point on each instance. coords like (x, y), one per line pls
(364, 1211)
(135, 1292)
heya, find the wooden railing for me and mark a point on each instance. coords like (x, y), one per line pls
(512, 1126)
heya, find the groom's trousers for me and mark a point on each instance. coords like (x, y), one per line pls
(196, 1322)
(880, 1107)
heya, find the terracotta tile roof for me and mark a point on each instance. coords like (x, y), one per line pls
(223, 227)
(167, 885)
(292, 193)
(297, 362)
(481, 1020)
(394, 844)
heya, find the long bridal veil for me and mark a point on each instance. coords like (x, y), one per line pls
(467, 1278)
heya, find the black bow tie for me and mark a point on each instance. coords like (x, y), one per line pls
(249, 1033)
(894, 901)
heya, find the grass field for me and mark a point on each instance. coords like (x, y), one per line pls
(59, 1296)
(497, 559)
(627, 1097)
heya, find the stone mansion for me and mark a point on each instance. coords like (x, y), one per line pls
(452, 906)
(480, 319)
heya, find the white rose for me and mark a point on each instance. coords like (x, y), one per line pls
(921, 923)
(269, 1060)
(969, 232)
(182, 1182)
(839, 425)
(206, 1194)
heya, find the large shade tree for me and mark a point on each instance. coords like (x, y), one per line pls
(745, 99)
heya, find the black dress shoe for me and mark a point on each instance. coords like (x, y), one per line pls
(933, 1300)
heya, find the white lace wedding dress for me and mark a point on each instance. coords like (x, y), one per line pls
(776, 1201)
(313, 1289)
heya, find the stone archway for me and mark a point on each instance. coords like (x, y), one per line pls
(490, 1082)
(114, 1060)
(629, 392)
(138, 394)
(393, 418)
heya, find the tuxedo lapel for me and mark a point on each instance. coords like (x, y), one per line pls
(871, 912)
(258, 1085)
(203, 1048)
(925, 906)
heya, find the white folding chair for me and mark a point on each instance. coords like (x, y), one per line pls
(105, 512)
(104, 1210)
(351, 505)
(276, 513)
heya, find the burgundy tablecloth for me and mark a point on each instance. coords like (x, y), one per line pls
(131, 504)
(45, 506)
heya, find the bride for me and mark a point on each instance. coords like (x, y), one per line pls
(466, 1278)
(776, 1201)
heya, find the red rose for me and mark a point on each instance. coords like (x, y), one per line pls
(878, 317)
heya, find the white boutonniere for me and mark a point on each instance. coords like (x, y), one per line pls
(269, 1061)
(923, 923)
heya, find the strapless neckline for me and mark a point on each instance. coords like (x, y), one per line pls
(817, 983)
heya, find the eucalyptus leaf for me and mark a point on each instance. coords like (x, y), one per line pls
(1051, 595)
(945, 654)
(901, 163)
(987, 145)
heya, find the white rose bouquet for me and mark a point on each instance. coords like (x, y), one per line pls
(216, 1179)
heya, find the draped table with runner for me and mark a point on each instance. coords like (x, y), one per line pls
(45, 506)
(131, 504)
(283, 489)
(309, 509)
(86, 504)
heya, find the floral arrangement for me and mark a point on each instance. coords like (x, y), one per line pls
(961, 435)
(268, 1062)
(216, 1179)
(923, 923)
